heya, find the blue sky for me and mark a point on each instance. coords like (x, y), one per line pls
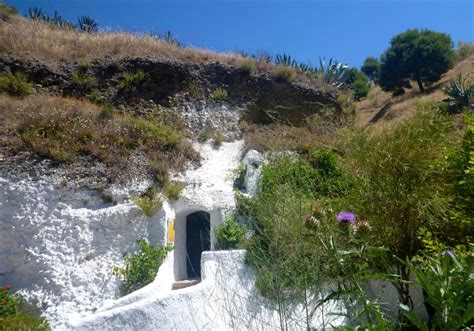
(349, 30)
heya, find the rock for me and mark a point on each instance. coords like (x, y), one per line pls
(252, 163)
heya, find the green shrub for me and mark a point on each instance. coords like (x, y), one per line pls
(464, 50)
(153, 130)
(160, 170)
(83, 81)
(141, 268)
(107, 112)
(248, 66)
(218, 139)
(7, 11)
(172, 190)
(9, 302)
(448, 288)
(205, 135)
(195, 90)
(149, 201)
(95, 96)
(131, 81)
(20, 322)
(283, 73)
(463, 177)
(415, 55)
(219, 94)
(229, 234)
(15, 84)
(400, 183)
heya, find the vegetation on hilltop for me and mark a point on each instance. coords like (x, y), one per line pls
(63, 129)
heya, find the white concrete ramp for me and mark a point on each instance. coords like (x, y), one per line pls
(226, 299)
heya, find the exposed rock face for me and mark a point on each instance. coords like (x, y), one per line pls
(292, 101)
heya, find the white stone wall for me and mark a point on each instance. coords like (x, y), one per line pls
(57, 245)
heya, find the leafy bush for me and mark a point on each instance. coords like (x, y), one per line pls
(448, 287)
(371, 68)
(460, 93)
(229, 234)
(149, 201)
(422, 56)
(6, 11)
(173, 189)
(219, 94)
(283, 73)
(131, 81)
(10, 302)
(463, 171)
(141, 268)
(358, 82)
(15, 84)
(400, 185)
(464, 50)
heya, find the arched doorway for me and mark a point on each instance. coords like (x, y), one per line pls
(198, 239)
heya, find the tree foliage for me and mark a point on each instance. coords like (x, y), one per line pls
(415, 55)
(371, 68)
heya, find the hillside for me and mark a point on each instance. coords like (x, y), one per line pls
(381, 109)
(149, 185)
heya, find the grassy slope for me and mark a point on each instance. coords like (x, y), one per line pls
(403, 106)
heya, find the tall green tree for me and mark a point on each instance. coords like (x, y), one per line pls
(371, 68)
(415, 55)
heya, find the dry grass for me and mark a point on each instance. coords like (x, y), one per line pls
(38, 40)
(283, 137)
(62, 129)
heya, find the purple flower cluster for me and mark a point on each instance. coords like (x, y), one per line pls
(346, 217)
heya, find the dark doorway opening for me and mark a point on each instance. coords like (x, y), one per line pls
(198, 239)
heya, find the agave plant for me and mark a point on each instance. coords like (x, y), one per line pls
(334, 73)
(285, 60)
(460, 93)
(37, 14)
(88, 24)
